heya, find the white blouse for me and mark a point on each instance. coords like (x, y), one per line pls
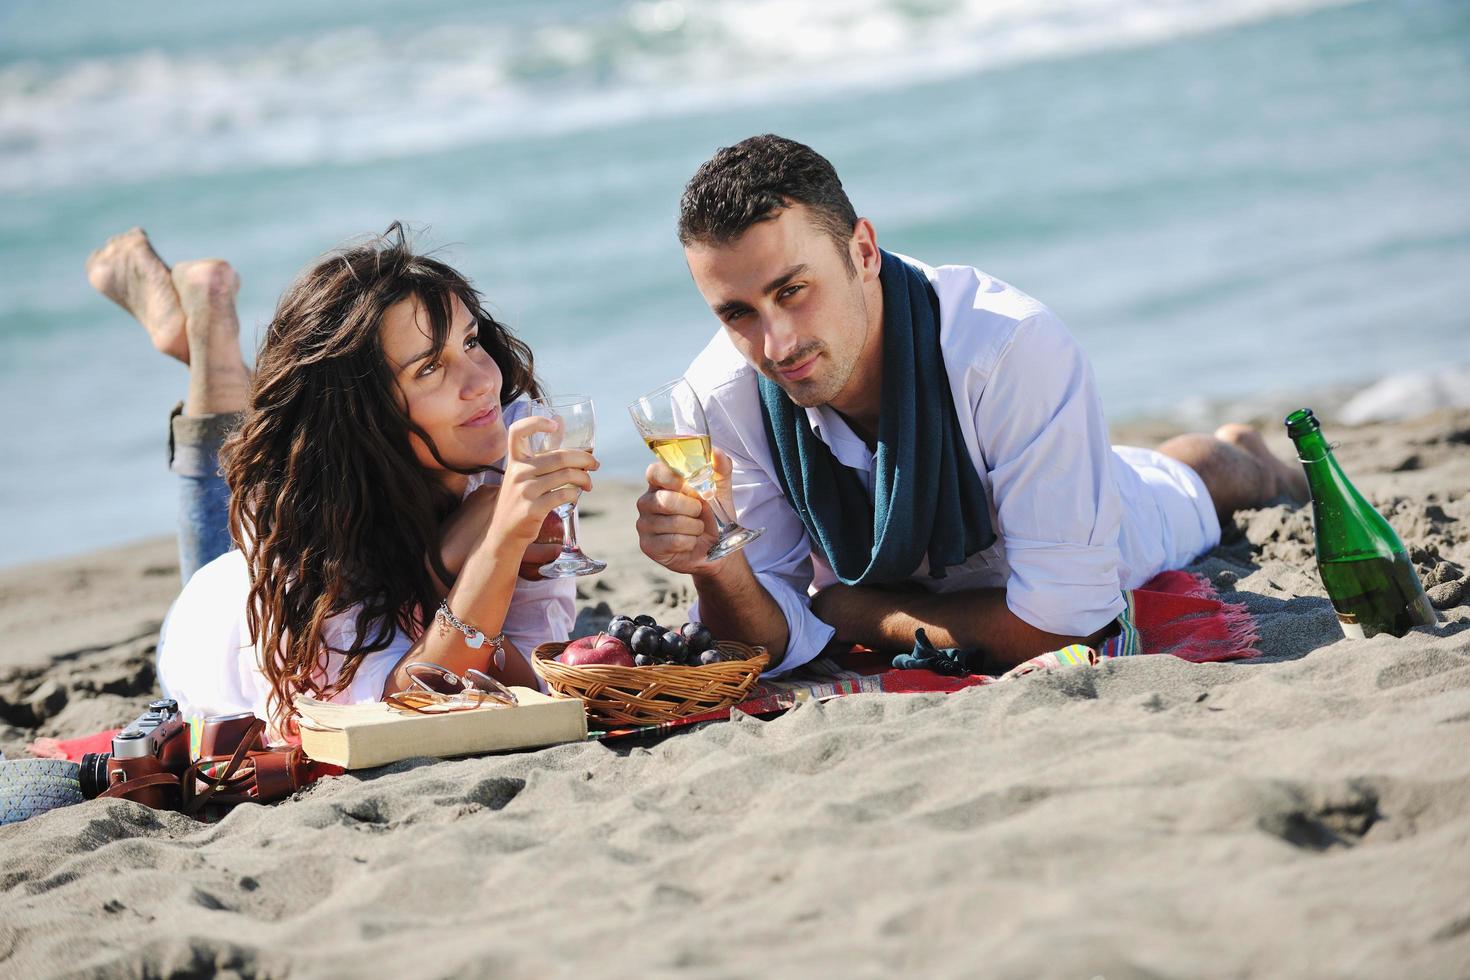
(208, 662)
(1077, 521)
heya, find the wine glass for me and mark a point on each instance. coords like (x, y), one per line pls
(672, 423)
(574, 430)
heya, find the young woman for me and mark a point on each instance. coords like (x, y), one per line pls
(378, 487)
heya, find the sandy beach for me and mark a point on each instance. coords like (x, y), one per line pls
(1303, 814)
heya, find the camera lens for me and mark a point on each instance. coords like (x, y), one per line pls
(93, 774)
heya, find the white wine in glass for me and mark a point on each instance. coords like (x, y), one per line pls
(575, 428)
(672, 424)
(687, 456)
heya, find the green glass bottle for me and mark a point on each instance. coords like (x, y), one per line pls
(1364, 566)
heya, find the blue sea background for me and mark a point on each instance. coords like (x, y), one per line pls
(1220, 197)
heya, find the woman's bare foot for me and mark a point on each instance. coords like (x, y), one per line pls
(219, 382)
(127, 271)
(1290, 480)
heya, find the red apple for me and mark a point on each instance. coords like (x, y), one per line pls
(543, 550)
(599, 649)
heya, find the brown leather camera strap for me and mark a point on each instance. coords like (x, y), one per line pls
(195, 801)
(125, 790)
(249, 775)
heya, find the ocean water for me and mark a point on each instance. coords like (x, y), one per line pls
(1220, 197)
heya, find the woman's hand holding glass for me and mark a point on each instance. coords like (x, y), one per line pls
(536, 483)
(575, 428)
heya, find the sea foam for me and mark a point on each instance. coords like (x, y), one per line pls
(380, 91)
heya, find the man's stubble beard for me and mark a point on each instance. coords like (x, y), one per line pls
(817, 392)
(806, 393)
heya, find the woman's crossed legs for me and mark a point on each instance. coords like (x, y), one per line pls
(189, 313)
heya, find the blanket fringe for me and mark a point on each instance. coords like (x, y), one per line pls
(1240, 625)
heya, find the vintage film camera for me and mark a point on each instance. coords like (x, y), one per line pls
(157, 741)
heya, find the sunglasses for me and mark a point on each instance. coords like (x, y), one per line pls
(434, 690)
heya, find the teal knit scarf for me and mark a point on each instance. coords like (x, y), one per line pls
(927, 497)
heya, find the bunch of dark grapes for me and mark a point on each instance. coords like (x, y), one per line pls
(691, 645)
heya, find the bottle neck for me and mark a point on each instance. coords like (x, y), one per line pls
(1325, 478)
(1312, 448)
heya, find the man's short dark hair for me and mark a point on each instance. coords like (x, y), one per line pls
(755, 180)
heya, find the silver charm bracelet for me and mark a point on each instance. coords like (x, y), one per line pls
(473, 638)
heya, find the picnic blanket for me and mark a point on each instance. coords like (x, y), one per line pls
(1174, 613)
(72, 748)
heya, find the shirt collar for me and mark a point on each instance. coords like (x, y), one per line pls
(846, 445)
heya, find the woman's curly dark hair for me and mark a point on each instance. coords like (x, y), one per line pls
(327, 499)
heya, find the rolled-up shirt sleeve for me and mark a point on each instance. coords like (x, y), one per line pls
(1045, 445)
(781, 558)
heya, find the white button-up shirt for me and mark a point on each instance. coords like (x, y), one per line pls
(1077, 521)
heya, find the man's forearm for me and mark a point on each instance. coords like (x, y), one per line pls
(973, 618)
(734, 604)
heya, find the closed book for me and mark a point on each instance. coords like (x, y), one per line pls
(359, 736)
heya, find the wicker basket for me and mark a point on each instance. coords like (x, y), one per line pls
(632, 696)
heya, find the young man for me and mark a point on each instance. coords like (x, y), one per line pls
(925, 447)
